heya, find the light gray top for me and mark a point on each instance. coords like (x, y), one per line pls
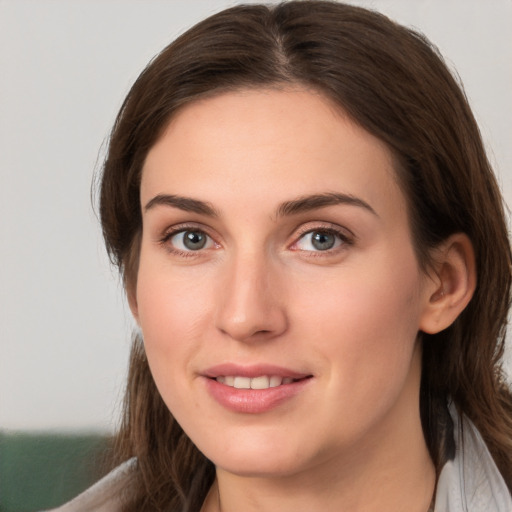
(470, 482)
(105, 495)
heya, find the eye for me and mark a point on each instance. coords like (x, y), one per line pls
(320, 240)
(190, 240)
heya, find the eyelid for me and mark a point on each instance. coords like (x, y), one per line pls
(308, 227)
(184, 226)
(164, 238)
(346, 236)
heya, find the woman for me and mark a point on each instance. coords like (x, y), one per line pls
(314, 247)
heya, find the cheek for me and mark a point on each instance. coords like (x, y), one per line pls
(170, 300)
(173, 310)
(366, 319)
(364, 329)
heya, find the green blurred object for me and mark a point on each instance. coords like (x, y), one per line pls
(39, 471)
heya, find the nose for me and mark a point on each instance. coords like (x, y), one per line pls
(251, 302)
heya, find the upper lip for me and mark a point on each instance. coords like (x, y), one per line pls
(254, 370)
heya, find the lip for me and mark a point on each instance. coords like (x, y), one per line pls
(251, 371)
(253, 401)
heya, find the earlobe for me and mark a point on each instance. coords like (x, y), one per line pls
(452, 287)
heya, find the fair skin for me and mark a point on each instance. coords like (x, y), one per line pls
(237, 269)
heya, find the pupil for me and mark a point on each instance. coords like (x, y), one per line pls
(323, 241)
(194, 240)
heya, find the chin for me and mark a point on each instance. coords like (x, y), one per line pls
(255, 467)
(258, 459)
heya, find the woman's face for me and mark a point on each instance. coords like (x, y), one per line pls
(276, 255)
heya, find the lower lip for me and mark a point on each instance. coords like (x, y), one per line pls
(254, 401)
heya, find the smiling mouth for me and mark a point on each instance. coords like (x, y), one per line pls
(253, 389)
(260, 382)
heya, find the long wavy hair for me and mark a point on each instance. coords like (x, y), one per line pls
(393, 83)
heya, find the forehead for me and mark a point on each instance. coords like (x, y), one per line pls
(266, 142)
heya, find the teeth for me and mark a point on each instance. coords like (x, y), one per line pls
(275, 381)
(242, 383)
(261, 382)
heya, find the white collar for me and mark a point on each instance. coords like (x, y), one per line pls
(471, 481)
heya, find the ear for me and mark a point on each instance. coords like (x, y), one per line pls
(452, 284)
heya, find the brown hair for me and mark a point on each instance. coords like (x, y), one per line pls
(392, 82)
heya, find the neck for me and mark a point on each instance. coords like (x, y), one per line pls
(390, 470)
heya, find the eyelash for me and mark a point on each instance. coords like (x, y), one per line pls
(182, 228)
(343, 237)
(341, 234)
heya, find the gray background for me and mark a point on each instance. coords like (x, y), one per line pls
(65, 67)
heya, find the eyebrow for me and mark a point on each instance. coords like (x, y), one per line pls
(293, 207)
(315, 201)
(186, 204)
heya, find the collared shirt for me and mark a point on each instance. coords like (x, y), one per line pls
(471, 481)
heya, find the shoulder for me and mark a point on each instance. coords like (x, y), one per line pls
(105, 495)
(471, 481)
